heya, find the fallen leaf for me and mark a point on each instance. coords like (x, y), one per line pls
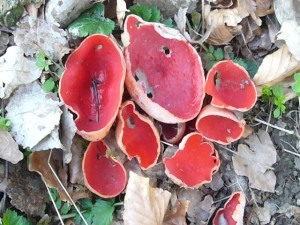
(287, 14)
(200, 208)
(224, 24)
(264, 213)
(275, 67)
(144, 204)
(36, 35)
(263, 7)
(9, 149)
(15, 70)
(39, 163)
(26, 190)
(33, 115)
(67, 132)
(176, 215)
(75, 166)
(255, 161)
(64, 12)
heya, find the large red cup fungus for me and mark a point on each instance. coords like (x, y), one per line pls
(194, 163)
(137, 136)
(103, 175)
(164, 72)
(92, 85)
(233, 211)
(230, 86)
(219, 125)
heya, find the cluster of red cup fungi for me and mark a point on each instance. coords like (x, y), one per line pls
(164, 77)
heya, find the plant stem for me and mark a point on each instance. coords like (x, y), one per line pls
(119, 204)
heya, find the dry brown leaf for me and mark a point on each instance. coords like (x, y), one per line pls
(75, 166)
(264, 7)
(275, 67)
(255, 161)
(223, 24)
(144, 204)
(9, 149)
(39, 163)
(176, 215)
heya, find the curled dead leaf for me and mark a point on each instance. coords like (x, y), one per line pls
(176, 215)
(144, 204)
(275, 67)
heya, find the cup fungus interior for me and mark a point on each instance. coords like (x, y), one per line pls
(103, 175)
(194, 163)
(219, 128)
(230, 86)
(233, 210)
(138, 136)
(166, 68)
(91, 85)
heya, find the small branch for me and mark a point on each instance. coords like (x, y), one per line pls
(275, 127)
(291, 152)
(167, 143)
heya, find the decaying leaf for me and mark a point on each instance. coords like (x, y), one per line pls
(67, 132)
(33, 114)
(144, 204)
(200, 207)
(176, 215)
(287, 13)
(255, 161)
(263, 7)
(26, 190)
(15, 70)
(64, 12)
(275, 67)
(75, 166)
(39, 163)
(9, 149)
(36, 35)
(224, 24)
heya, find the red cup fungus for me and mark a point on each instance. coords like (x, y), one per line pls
(137, 136)
(164, 72)
(103, 175)
(92, 85)
(219, 125)
(194, 163)
(230, 86)
(233, 211)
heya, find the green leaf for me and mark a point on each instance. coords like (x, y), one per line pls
(276, 113)
(65, 208)
(168, 22)
(144, 11)
(211, 49)
(49, 85)
(155, 14)
(248, 65)
(92, 21)
(10, 217)
(219, 54)
(278, 91)
(210, 64)
(42, 63)
(86, 203)
(102, 211)
(296, 85)
(5, 124)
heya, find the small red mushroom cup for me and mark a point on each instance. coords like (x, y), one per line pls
(230, 86)
(103, 175)
(92, 85)
(233, 211)
(194, 163)
(219, 125)
(164, 72)
(137, 136)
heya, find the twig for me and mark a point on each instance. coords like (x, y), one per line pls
(167, 143)
(274, 126)
(221, 199)
(53, 202)
(269, 119)
(291, 152)
(63, 187)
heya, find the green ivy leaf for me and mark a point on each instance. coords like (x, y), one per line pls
(102, 211)
(92, 21)
(11, 217)
(49, 85)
